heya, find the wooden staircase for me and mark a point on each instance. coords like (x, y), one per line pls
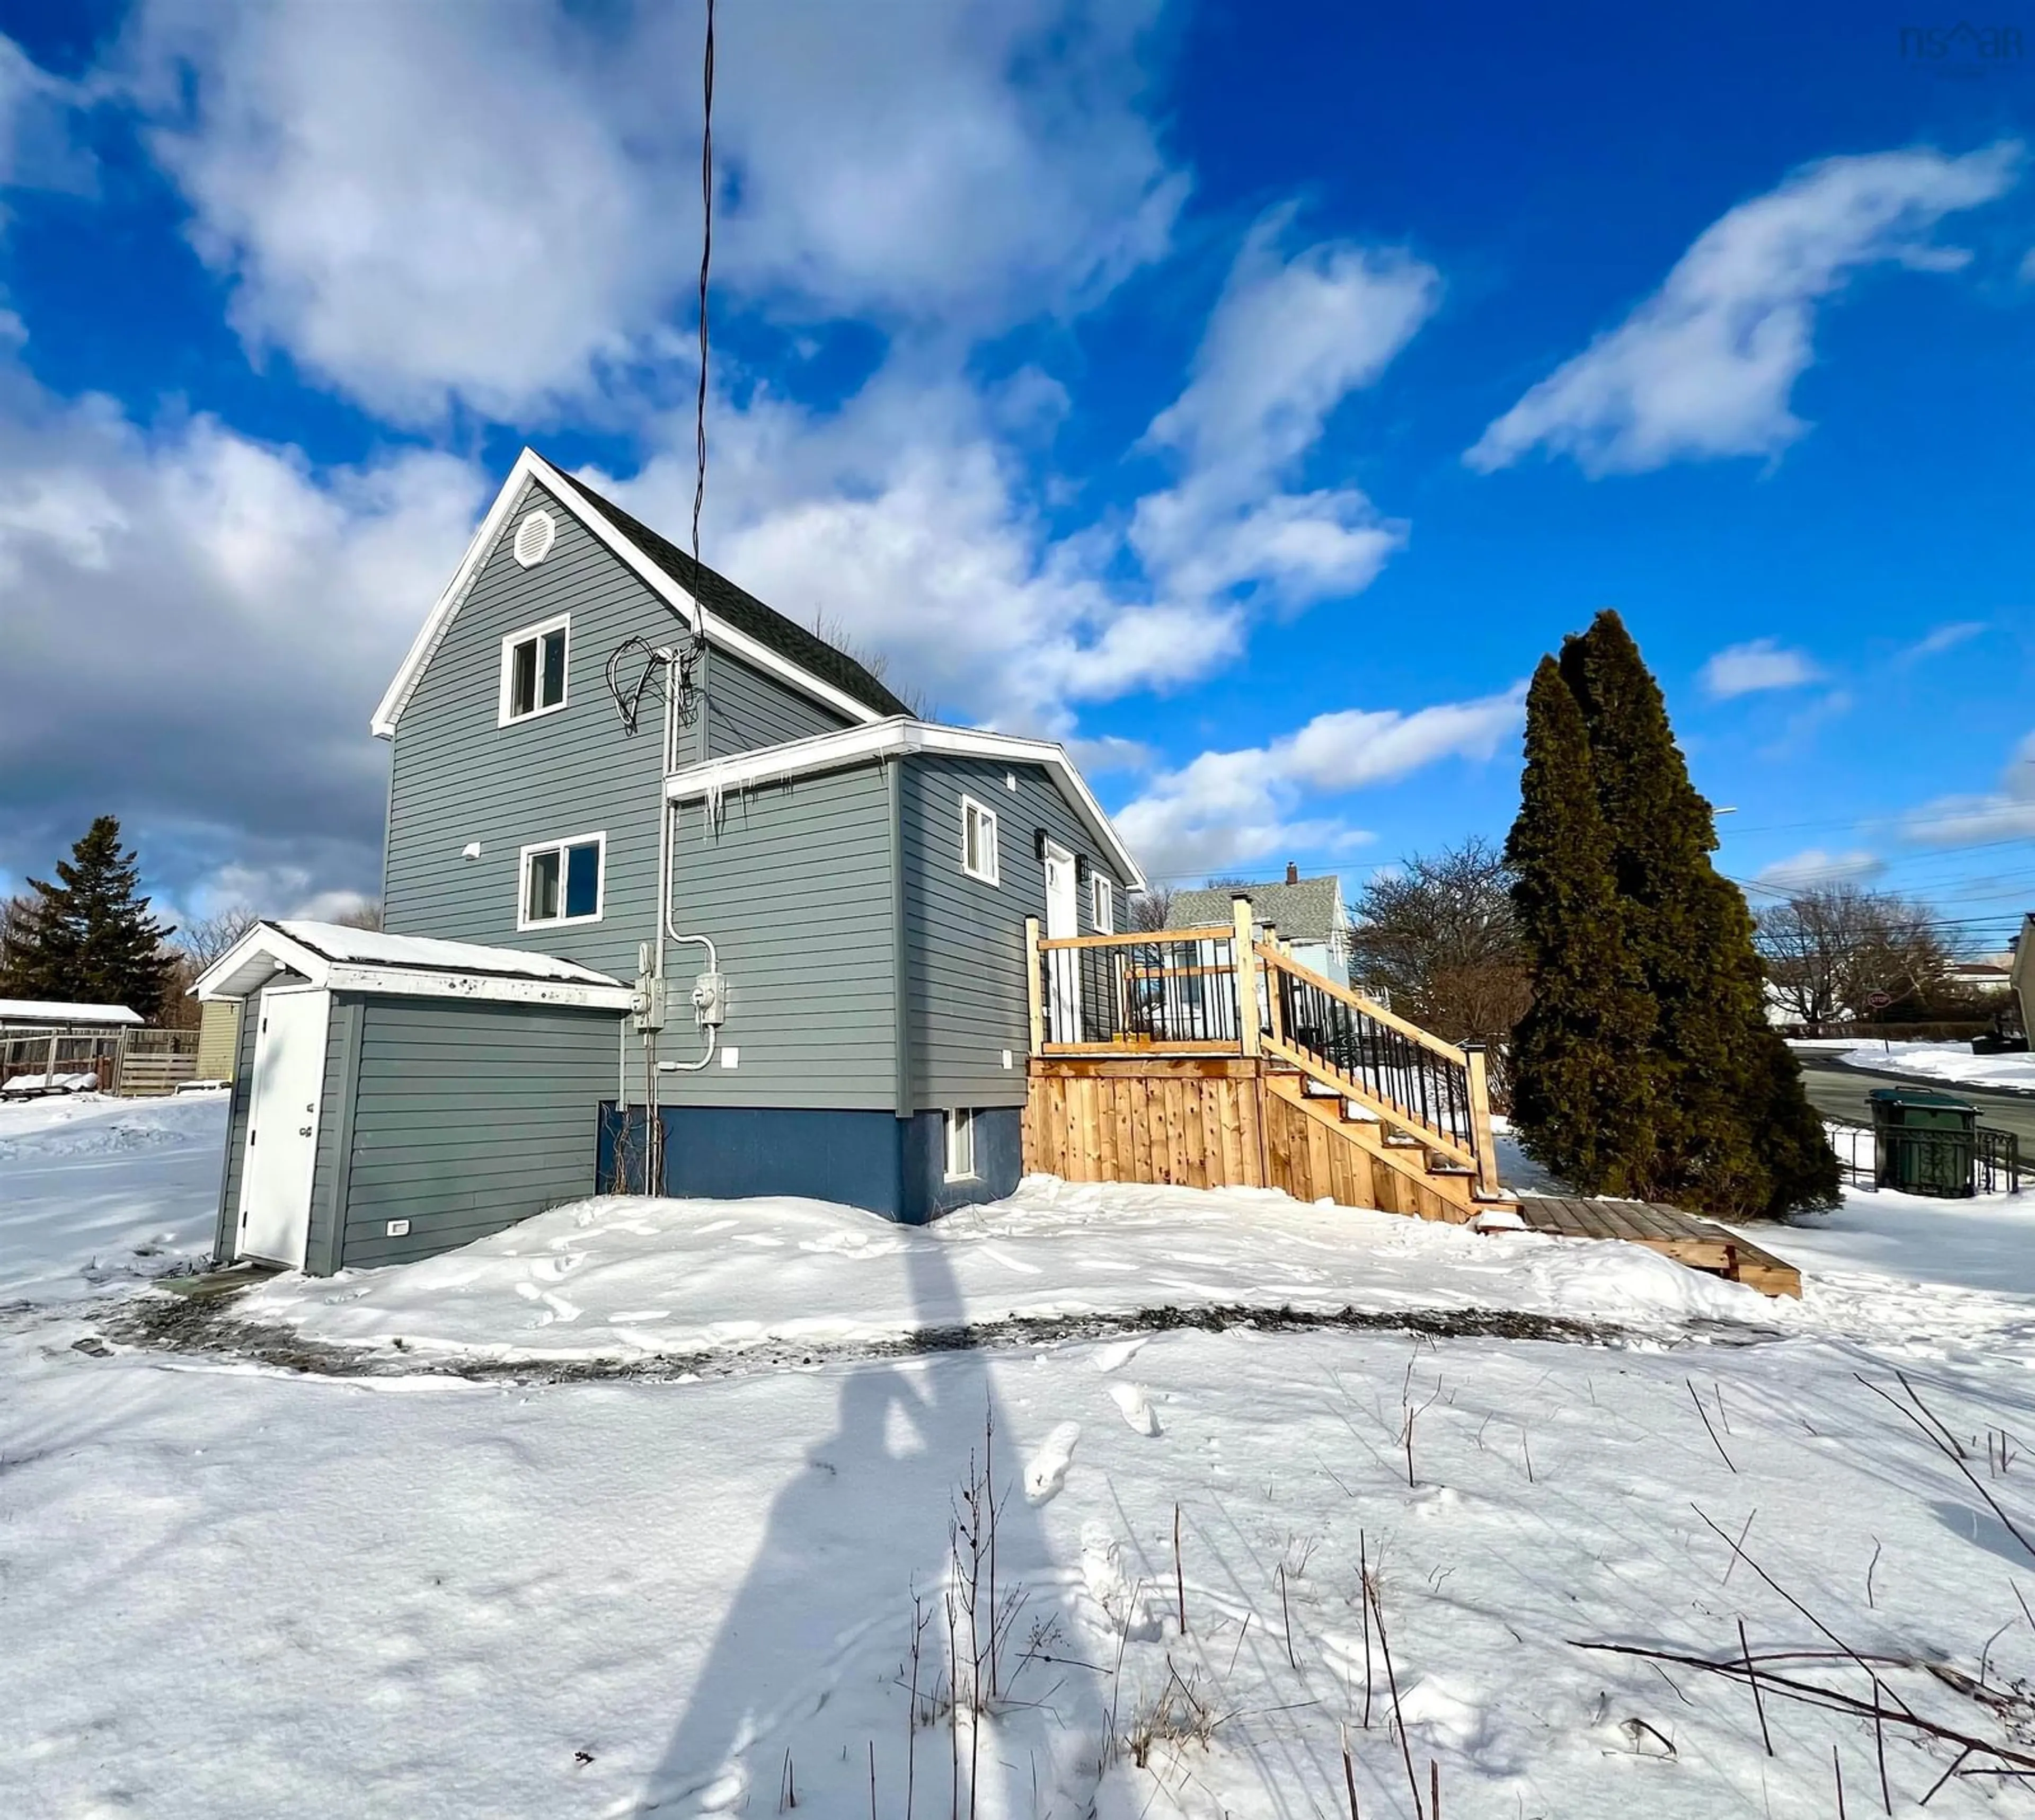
(1208, 1058)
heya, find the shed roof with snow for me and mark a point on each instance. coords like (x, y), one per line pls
(41, 1013)
(349, 960)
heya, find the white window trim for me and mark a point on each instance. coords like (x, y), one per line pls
(523, 920)
(1102, 903)
(558, 623)
(994, 875)
(949, 1123)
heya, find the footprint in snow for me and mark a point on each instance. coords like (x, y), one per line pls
(1135, 1402)
(1115, 1357)
(1047, 1471)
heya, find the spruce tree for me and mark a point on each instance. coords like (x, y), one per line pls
(1581, 1082)
(89, 939)
(1724, 1099)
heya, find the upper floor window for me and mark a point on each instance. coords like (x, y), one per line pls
(533, 670)
(562, 882)
(978, 840)
(1104, 905)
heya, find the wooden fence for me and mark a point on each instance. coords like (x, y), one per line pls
(156, 1061)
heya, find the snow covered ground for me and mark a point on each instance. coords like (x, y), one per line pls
(616, 1277)
(96, 1190)
(1953, 1063)
(227, 1590)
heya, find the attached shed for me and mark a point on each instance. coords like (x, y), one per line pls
(395, 1096)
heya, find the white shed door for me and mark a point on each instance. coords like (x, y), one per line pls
(282, 1126)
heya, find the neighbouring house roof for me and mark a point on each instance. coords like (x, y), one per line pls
(726, 615)
(900, 737)
(1310, 911)
(49, 1011)
(348, 960)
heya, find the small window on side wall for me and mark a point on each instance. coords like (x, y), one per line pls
(978, 840)
(533, 670)
(1104, 905)
(961, 1143)
(562, 882)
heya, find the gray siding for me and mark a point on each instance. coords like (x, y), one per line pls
(745, 709)
(457, 777)
(965, 939)
(468, 1117)
(794, 886)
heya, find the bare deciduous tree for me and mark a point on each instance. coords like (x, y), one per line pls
(202, 939)
(1438, 935)
(1148, 909)
(365, 914)
(1829, 950)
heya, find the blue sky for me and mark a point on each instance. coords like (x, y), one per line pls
(1248, 405)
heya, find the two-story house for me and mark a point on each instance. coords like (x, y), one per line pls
(606, 764)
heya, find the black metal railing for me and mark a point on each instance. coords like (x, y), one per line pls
(1138, 991)
(1917, 1160)
(1430, 1088)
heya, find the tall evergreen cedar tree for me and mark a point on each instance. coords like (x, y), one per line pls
(1581, 1084)
(89, 939)
(1717, 1119)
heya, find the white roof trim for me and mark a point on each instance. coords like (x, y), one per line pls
(531, 466)
(900, 737)
(267, 949)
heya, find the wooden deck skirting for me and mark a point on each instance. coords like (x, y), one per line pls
(1220, 1121)
(1702, 1244)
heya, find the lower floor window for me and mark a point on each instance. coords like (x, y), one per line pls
(562, 882)
(960, 1143)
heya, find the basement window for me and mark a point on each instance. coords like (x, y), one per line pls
(533, 670)
(562, 882)
(978, 840)
(961, 1143)
(1104, 905)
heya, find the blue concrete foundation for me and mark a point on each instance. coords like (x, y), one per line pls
(892, 1167)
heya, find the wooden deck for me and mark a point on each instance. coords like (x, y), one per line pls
(1702, 1244)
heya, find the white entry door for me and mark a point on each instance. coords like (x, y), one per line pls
(1064, 970)
(282, 1126)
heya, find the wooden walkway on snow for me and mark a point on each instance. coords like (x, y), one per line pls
(1702, 1244)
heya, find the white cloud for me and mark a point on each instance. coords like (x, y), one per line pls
(1944, 638)
(1762, 663)
(1232, 808)
(1290, 339)
(2006, 813)
(1705, 366)
(905, 519)
(497, 203)
(39, 145)
(197, 626)
(1814, 866)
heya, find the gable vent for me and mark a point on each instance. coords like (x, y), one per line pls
(533, 539)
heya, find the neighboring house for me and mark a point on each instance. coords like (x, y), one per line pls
(2022, 976)
(1989, 974)
(1307, 912)
(589, 772)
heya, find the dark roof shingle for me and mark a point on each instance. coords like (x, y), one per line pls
(743, 611)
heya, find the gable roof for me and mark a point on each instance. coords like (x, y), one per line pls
(725, 615)
(341, 958)
(724, 600)
(1302, 913)
(898, 737)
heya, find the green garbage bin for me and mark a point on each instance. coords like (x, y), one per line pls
(1924, 1143)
